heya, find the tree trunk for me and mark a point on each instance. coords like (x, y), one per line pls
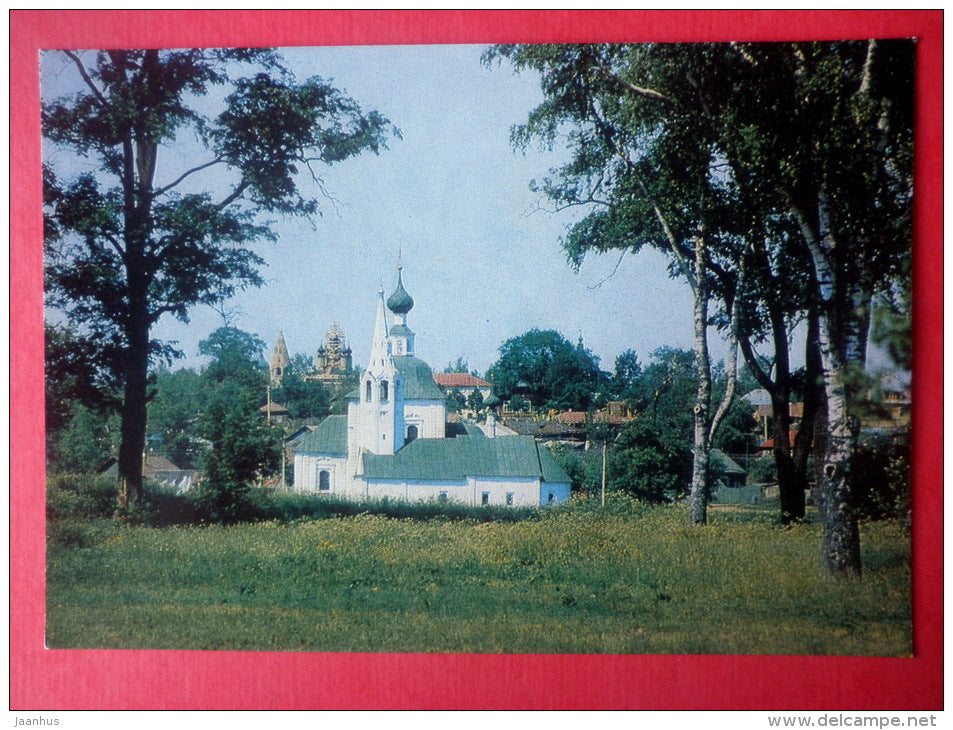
(843, 317)
(790, 486)
(135, 398)
(699, 491)
(812, 422)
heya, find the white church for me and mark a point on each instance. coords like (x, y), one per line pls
(394, 442)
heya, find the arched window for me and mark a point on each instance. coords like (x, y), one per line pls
(324, 481)
(367, 392)
(384, 391)
(411, 434)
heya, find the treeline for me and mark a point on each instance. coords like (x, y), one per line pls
(208, 420)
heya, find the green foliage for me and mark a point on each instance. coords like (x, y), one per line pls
(649, 463)
(80, 496)
(665, 393)
(625, 378)
(460, 366)
(475, 400)
(180, 397)
(763, 470)
(881, 468)
(241, 448)
(302, 398)
(235, 356)
(624, 580)
(456, 401)
(84, 444)
(545, 368)
(583, 467)
(737, 432)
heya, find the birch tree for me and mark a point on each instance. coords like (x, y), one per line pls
(818, 133)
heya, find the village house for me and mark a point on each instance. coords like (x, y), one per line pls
(464, 383)
(395, 442)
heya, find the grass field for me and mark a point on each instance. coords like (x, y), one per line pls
(577, 580)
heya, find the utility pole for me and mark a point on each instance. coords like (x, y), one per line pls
(603, 472)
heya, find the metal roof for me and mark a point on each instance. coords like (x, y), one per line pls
(418, 379)
(329, 438)
(459, 458)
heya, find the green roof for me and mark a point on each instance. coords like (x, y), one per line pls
(329, 438)
(457, 459)
(418, 379)
(402, 330)
(724, 464)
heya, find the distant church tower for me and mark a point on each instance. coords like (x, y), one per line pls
(333, 360)
(279, 360)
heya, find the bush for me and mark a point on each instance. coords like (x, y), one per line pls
(762, 470)
(80, 495)
(881, 470)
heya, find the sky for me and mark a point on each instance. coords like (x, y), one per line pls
(451, 202)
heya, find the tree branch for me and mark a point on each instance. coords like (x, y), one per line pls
(86, 78)
(166, 188)
(614, 270)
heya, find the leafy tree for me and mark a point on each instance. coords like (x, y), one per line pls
(85, 444)
(545, 368)
(302, 398)
(242, 448)
(78, 393)
(649, 462)
(737, 434)
(650, 178)
(135, 239)
(460, 366)
(174, 412)
(456, 401)
(816, 134)
(625, 378)
(475, 400)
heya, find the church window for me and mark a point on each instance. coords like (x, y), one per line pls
(485, 499)
(324, 481)
(411, 434)
(384, 391)
(367, 392)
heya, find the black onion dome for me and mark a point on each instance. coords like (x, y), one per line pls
(400, 302)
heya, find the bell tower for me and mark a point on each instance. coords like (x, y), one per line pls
(377, 414)
(279, 360)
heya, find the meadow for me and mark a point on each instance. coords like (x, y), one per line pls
(628, 578)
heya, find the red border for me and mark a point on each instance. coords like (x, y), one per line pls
(61, 680)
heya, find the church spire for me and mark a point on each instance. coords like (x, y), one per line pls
(379, 343)
(279, 360)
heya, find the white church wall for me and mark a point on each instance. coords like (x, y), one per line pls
(429, 416)
(307, 471)
(504, 491)
(418, 491)
(553, 493)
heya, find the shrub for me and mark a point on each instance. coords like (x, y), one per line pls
(80, 495)
(881, 469)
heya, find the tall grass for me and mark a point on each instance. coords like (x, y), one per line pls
(627, 579)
